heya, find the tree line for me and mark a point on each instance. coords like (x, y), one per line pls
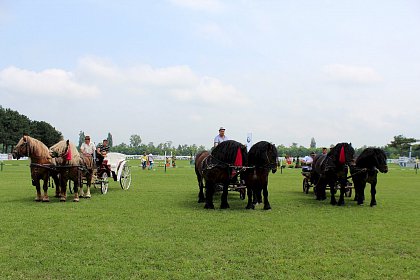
(13, 125)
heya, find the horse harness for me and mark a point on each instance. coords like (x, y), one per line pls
(210, 162)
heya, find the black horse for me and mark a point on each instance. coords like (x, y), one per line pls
(331, 169)
(366, 171)
(262, 157)
(222, 166)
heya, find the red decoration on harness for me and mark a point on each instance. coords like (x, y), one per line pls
(342, 158)
(238, 159)
(68, 155)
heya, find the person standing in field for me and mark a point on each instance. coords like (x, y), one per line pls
(220, 137)
(150, 160)
(144, 161)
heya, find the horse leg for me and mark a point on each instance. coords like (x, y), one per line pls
(332, 191)
(373, 194)
(360, 193)
(45, 198)
(265, 192)
(63, 188)
(250, 194)
(57, 185)
(209, 195)
(88, 184)
(224, 204)
(201, 197)
(37, 185)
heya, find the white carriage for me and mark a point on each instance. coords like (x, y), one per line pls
(114, 165)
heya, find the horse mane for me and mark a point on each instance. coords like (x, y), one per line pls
(259, 154)
(348, 150)
(37, 148)
(226, 152)
(372, 152)
(61, 148)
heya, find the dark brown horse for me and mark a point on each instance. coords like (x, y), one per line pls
(223, 166)
(262, 157)
(42, 164)
(331, 169)
(70, 166)
(366, 171)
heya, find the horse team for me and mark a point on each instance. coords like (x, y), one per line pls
(229, 162)
(61, 162)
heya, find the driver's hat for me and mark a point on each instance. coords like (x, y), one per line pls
(222, 128)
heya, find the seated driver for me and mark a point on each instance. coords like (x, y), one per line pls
(101, 151)
(307, 162)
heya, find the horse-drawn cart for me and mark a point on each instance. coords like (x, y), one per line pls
(307, 183)
(116, 166)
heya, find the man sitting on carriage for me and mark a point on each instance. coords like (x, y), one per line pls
(307, 162)
(101, 151)
(87, 148)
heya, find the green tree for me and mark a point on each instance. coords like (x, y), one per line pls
(313, 143)
(135, 141)
(402, 144)
(81, 138)
(110, 142)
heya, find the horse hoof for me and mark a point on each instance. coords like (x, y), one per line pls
(46, 200)
(208, 206)
(201, 200)
(333, 203)
(267, 207)
(372, 204)
(87, 196)
(224, 206)
(76, 200)
(250, 207)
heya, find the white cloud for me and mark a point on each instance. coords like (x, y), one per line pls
(202, 5)
(348, 74)
(49, 82)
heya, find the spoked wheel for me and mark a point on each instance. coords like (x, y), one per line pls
(125, 180)
(305, 185)
(104, 183)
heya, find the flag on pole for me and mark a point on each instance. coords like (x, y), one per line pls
(249, 141)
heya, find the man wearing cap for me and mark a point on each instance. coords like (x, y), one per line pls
(220, 137)
(87, 148)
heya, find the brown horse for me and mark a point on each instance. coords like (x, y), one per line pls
(42, 164)
(70, 166)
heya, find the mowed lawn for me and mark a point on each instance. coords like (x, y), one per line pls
(157, 230)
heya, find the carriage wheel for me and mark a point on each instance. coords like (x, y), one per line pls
(305, 185)
(125, 180)
(104, 183)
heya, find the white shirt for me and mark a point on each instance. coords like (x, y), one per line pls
(308, 160)
(218, 139)
(87, 148)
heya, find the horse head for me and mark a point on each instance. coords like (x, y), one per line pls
(22, 148)
(381, 162)
(61, 151)
(274, 158)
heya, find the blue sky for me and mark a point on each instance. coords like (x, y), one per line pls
(177, 70)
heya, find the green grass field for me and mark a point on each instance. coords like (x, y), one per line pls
(157, 230)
